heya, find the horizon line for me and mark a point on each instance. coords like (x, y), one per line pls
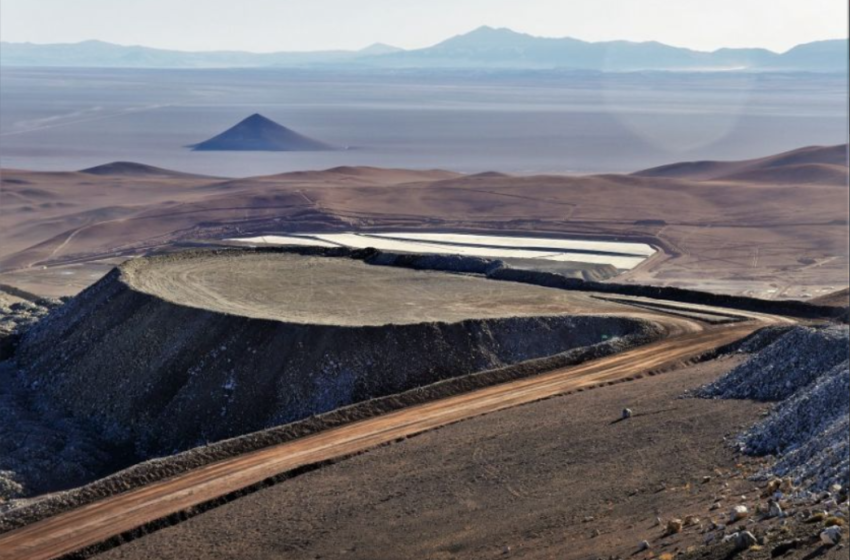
(381, 43)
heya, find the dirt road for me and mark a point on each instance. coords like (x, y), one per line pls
(93, 523)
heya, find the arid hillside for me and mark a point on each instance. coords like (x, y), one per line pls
(775, 227)
(813, 164)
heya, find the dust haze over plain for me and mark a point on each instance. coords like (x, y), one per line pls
(505, 121)
(459, 98)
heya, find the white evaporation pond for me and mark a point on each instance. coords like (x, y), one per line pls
(362, 241)
(623, 256)
(283, 240)
(624, 248)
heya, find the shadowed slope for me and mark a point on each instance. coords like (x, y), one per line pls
(326, 332)
(813, 164)
(132, 169)
(840, 298)
(802, 174)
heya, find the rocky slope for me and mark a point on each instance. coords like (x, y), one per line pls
(805, 371)
(167, 377)
(18, 311)
(43, 449)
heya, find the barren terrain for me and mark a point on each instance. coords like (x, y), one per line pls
(238, 343)
(214, 344)
(523, 480)
(344, 292)
(100, 520)
(219, 343)
(534, 481)
(732, 233)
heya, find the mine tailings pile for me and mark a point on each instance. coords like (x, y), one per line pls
(165, 377)
(806, 372)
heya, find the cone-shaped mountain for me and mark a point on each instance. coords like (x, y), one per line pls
(257, 133)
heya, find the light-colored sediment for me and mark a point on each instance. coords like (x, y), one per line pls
(340, 291)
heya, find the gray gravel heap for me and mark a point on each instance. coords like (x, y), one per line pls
(41, 449)
(809, 432)
(789, 363)
(19, 316)
(807, 372)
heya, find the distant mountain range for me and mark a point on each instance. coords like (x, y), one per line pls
(99, 54)
(484, 48)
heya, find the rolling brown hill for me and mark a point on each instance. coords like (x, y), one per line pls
(813, 164)
(803, 173)
(131, 169)
(840, 298)
(761, 227)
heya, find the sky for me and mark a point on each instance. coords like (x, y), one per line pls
(305, 25)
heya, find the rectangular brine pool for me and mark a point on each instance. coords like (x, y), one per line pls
(623, 256)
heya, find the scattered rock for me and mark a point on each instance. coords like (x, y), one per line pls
(806, 370)
(737, 513)
(772, 487)
(674, 526)
(644, 545)
(786, 485)
(831, 536)
(744, 540)
(774, 509)
(627, 413)
(785, 547)
(816, 517)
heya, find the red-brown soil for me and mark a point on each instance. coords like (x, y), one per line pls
(561, 478)
(812, 164)
(767, 228)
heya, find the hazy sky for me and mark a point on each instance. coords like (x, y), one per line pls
(272, 25)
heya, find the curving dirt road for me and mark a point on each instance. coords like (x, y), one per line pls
(95, 522)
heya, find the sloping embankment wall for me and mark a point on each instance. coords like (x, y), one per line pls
(167, 377)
